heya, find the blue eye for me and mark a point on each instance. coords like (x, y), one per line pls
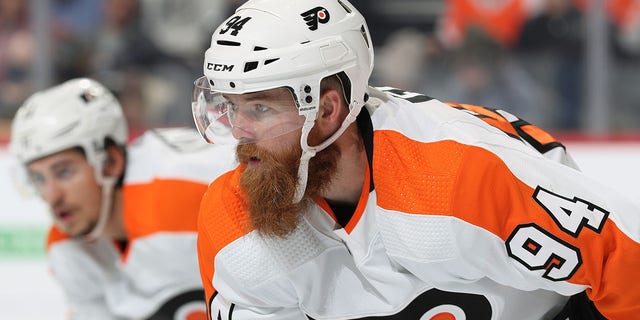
(64, 173)
(262, 108)
(36, 179)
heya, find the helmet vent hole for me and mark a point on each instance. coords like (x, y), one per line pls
(266, 62)
(344, 6)
(232, 84)
(308, 99)
(363, 31)
(87, 96)
(257, 48)
(68, 128)
(228, 43)
(250, 66)
(211, 83)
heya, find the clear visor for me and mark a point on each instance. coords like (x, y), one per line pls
(243, 118)
(21, 180)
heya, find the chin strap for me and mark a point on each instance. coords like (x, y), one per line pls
(303, 174)
(309, 152)
(108, 185)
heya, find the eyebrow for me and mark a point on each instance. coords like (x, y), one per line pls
(55, 166)
(62, 163)
(263, 95)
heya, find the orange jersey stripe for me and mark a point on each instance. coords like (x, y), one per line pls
(161, 205)
(538, 134)
(488, 116)
(538, 138)
(473, 184)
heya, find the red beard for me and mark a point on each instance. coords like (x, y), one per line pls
(270, 187)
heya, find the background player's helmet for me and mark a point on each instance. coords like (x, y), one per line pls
(77, 113)
(268, 44)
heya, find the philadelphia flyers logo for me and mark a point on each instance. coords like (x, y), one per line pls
(315, 16)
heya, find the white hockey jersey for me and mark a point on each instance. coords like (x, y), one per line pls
(459, 218)
(167, 173)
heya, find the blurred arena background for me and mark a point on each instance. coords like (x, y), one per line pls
(570, 66)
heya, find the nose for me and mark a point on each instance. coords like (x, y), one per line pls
(51, 192)
(242, 128)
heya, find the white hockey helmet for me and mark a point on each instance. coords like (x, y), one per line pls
(77, 113)
(269, 44)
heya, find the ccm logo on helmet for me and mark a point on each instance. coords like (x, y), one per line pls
(219, 67)
(315, 16)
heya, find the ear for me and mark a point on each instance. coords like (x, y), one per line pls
(331, 112)
(114, 165)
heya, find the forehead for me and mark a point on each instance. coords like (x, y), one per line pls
(277, 94)
(58, 158)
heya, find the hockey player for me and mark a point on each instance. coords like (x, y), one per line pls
(123, 243)
(355, 202)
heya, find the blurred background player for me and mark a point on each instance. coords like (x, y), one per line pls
(360, 202)
(123, 243)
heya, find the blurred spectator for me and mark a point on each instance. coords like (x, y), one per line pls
(485, 73)
(82, 18)
(552, 44)
(150, 45)
(392, 16)
(146, 51)
(499, 19)
(74, 26)
(400, 62)
(182, 28)
(624, 16)
(121, 43)
(15, 60)
(477, 37)
(625, 21)
(126, 59)
(120, 53)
